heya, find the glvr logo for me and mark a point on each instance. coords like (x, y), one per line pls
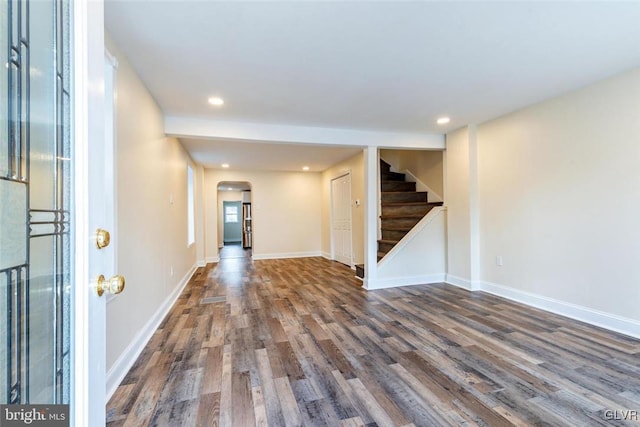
(621, 415)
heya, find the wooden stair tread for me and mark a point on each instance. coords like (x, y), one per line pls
(405, 204)
(397, 227)
(402, 216)
(388, 241)
(402, 192)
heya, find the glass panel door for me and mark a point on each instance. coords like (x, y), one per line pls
(35, 209)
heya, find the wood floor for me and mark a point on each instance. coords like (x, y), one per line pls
(298, 342)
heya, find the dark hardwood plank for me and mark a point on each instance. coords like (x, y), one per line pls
(299, 342)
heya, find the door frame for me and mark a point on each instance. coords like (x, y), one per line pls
(88, 322)
(331, 202)
(226, 203)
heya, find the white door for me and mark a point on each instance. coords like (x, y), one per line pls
(95, 209)
(341, 219)
(56, 187)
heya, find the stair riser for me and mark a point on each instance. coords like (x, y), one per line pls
(384, 166)
(406, 209)
(399, 222)
(398, 186)
(404, 197)
(391, 176)
(393, 234)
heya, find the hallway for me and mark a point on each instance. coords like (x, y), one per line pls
(298, 342)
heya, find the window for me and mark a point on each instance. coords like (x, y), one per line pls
(231, 214)
(191, 230)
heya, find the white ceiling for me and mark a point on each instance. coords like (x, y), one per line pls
(392, 66)
(234, 186)
(264, 156)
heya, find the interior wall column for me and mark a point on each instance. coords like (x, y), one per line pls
(474, 209)
(371, 217)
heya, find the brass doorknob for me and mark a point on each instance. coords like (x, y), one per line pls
(103, 238)
(114, 286)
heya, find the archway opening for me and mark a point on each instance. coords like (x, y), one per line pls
(235, 222)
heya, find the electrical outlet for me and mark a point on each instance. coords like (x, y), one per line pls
(499, 260)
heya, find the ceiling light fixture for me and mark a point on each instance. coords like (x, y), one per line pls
(443, 120)
(225, 165)
(305, 168)
(217, 101)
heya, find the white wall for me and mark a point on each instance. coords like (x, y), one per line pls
(355, 165)
(286, 212)
(151, 232)
(420, 256)
(559, 200)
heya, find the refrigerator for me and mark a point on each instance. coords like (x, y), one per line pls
(247, 238)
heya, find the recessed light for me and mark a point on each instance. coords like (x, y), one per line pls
(225, 165)
(443, 120)
(305, 168)
(217, 101)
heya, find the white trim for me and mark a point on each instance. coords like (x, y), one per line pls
(113, 61)
(394, 282)
(609, 321)
(270, 133)
(326, 255)
(432, 196)
(128, 357)
(213, 259)
(458, 281)
(201, 263)
(285, 255)
(82, 370)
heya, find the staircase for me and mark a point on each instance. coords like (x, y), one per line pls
(402, 208)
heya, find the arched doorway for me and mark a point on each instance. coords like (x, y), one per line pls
(235, 224)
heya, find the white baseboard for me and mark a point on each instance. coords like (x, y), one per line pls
(213, 259)
(609, 321)
(284, 255)
(201, 263)
(395, 282)
(458, 281)
(326, 255)
(121, 367)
